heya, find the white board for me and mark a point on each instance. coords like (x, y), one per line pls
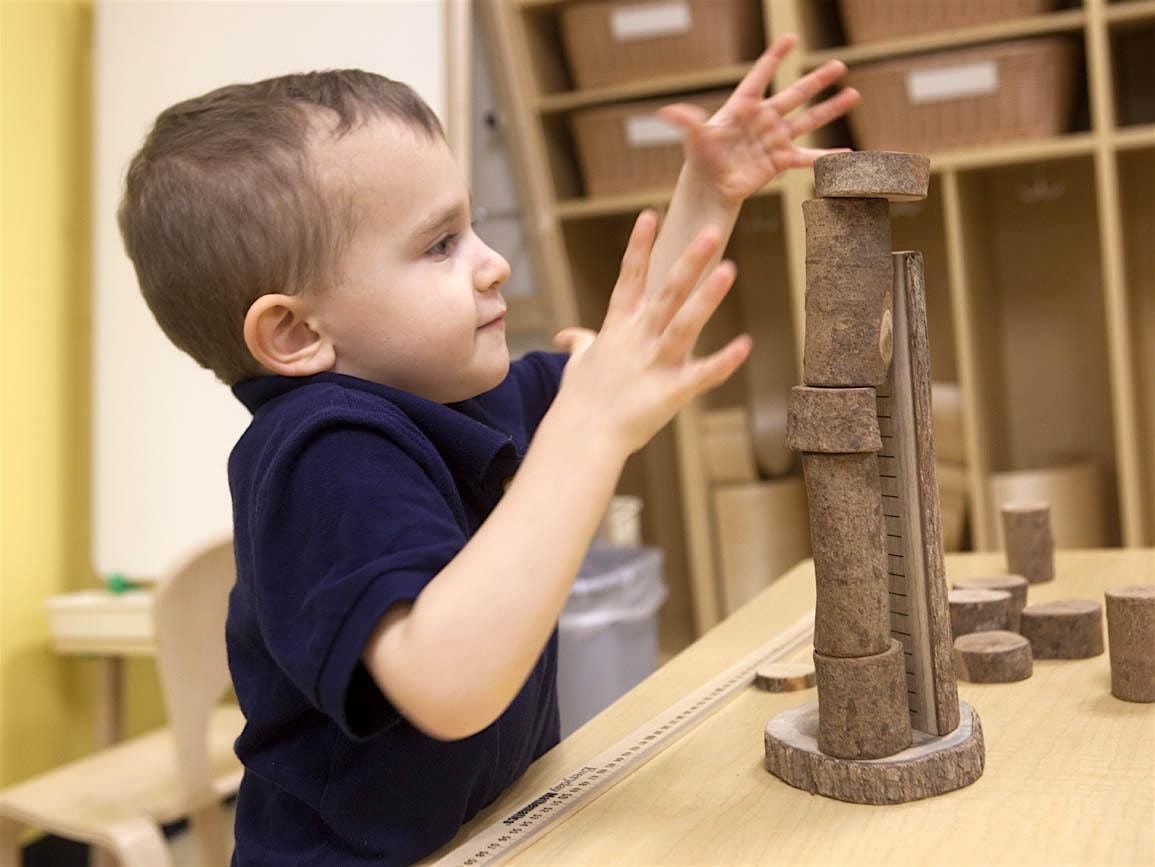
(162, 426)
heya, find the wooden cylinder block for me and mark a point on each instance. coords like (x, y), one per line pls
(852, 604)
(1016, 585)
(1067, 629)
(898, 177)
(978, 610)
(1131, 638)
(1029, 544)
(997, 656)
(833, 420)
(849, 278)
(862, 706)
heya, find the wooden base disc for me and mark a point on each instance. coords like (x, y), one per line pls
(930, 766)
(784, 676)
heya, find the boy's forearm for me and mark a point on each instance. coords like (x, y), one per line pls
(456, 659)
(693, 206)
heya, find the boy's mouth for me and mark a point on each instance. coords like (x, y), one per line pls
(499, 319)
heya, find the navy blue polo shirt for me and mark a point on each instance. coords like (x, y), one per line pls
(348, 497)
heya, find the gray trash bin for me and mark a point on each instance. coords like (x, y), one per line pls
(608, 631)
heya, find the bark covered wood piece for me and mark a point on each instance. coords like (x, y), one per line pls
(979, 610)
(997, 656)
(784, 676)
(849, 329)
(898, 177)
(1029, 542)
(1016, 585)
(863, 711)
(932, 765)
(1065, 629)
(833, 420)
(1131, 640)
(852, 609)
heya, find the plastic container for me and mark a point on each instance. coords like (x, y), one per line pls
(608, 632)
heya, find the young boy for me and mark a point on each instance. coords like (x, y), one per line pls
(391, 633)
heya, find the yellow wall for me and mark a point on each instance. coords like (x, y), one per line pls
(45, 700)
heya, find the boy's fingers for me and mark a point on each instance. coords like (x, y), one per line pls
(713, 370)
(684, 116)
(807, 87)
(826, 111)
(631, 285)
(681, 279)
(758, 79)
(687, 324)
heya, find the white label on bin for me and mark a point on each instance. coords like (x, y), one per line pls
(952, 82)
(649, 131)
(650, 20)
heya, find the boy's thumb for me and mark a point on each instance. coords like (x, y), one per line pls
(574, 340)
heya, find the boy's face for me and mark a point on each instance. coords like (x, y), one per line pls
(415, 304)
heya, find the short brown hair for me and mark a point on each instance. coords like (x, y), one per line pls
(222, 204)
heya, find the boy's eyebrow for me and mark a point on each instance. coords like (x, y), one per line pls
(442, 217)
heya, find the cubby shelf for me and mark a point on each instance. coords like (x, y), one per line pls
(1040, 279)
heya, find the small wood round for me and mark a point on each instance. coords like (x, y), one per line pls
(992, 657)
(833, 420)
(1131, 639)
(1066, 629)
(1016, 585)
(898, 177)
(978, 610)
(930, 766)
(784, 676)
(1028, 540)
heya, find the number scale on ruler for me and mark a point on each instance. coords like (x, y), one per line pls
(528, 822)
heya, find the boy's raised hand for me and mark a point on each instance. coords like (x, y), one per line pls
(634, 375)
(750, 139)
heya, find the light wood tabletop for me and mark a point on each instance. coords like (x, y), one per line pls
(1069, 778)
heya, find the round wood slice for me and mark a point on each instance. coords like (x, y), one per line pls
(1016, 585)
(1066, 629)
(978, 610)
(1131, 639)
(1028, 540)
(899, 177)
(835, 420)
(992, 657)
(930, 766)
(784, 676)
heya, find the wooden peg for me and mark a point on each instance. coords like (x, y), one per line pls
(849, 285)
(862, 707)
(1016, 585)
(833, 420)
(978, 610)
(852, 603)
(996, 656)
(1029, 543)
(1131, 639)
(1066, 629)
(784, 676)
(899, 177)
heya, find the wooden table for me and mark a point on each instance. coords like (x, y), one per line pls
(1069, 779)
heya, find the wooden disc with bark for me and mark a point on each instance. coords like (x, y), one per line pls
(784, 676)
(1016, 585)
(833, 420)
(1065, 629)
(1131, 638)
(899, 177)
(978, 610)
(929, 766)
(997, 656)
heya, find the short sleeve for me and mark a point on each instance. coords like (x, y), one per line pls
(347, 526)
(538, 377)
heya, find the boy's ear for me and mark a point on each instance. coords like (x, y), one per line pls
(281, 340)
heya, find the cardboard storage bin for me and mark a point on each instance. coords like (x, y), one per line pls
(876, 20)
(615, 42)
(627, 148)
(972, 97)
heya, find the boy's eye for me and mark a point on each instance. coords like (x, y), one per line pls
(443, 247)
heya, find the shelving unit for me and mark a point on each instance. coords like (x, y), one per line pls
(1040, 271)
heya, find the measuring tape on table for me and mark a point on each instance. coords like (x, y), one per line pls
(527, 823)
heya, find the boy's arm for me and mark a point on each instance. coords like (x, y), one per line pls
(742, 147)
(453, 659)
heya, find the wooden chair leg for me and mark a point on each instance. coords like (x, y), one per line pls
(138, 843)
(11, 852)
(211, 835)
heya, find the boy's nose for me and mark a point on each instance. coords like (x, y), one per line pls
(493, 272)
